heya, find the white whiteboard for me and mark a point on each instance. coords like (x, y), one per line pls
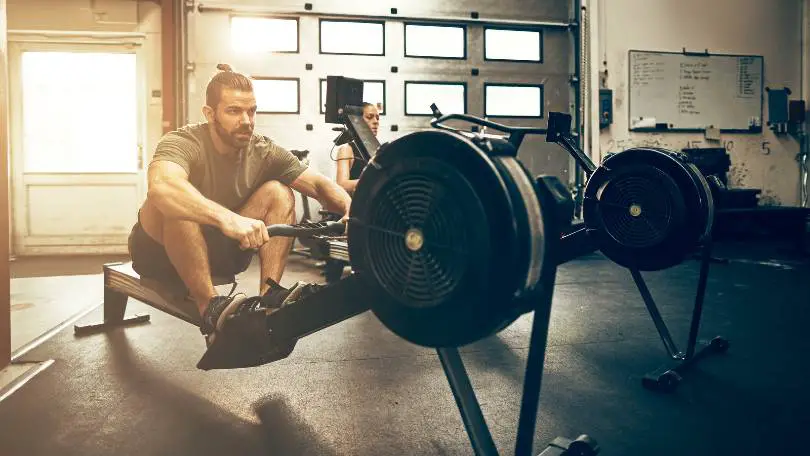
(682, 91)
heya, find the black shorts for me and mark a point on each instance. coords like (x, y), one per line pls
(149, 258)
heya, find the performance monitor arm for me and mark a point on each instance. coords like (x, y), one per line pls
(367, 144)
(559, 132)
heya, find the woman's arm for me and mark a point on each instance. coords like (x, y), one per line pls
(345, 160)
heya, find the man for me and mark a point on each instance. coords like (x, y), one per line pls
(213, 188)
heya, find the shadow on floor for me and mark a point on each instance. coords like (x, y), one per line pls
(159, 403)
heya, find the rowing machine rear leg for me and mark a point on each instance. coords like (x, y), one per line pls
(582, 446)
(115, 306)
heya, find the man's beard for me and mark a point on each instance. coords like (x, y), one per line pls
(230, 138)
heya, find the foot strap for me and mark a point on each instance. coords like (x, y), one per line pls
(275, 295)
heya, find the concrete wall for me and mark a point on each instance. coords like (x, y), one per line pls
(770, 29)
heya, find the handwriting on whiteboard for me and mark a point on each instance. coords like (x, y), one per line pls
(747, 77)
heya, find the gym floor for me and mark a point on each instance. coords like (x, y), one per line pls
(356, 389)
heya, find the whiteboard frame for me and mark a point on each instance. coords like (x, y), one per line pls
(659, 129)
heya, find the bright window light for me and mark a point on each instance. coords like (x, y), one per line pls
(435, 41)
(373, 92)
(276, 96)
(513, 101)
(80, 112)
(344, 37)
(449, 97)
(519, 45)
(264, 34)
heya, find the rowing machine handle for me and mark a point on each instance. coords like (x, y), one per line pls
(307, 229)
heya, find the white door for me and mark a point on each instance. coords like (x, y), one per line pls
(76, 154)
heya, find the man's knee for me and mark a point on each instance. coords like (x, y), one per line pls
(158, 226)
(151, 221)
(277, 196)
(276, 190)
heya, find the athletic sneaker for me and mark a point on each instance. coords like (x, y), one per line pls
(218, 310)
(301, 291)
(277, 296)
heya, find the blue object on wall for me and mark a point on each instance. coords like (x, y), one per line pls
(605, 108)
(778, 113)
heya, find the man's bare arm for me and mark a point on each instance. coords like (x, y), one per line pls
(175, 197)
(327, 192)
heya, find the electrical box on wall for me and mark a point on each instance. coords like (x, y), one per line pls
(778, 114)
(784, 115)
(605, 108)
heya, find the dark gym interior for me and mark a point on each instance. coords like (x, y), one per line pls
(569, 227)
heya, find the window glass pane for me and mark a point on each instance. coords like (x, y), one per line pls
(80, 112)
(264, 34)
(276, 95)
(342, 37)
(373, 92)
(434, 41)
(517, 101)
(523, 45)
(450, 98)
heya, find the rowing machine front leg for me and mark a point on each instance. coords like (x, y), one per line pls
(114, 307)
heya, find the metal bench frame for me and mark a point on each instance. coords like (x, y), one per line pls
(121, 282)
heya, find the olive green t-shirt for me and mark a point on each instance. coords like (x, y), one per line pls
(228, 181)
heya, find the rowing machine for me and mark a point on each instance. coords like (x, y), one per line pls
(648, 209)
(455, 241)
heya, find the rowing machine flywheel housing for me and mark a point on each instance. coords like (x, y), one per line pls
(648, 208)
(449, 233)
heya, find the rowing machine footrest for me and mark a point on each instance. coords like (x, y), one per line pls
(244, 341)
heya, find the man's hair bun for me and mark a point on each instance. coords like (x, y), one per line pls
(226, 78)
